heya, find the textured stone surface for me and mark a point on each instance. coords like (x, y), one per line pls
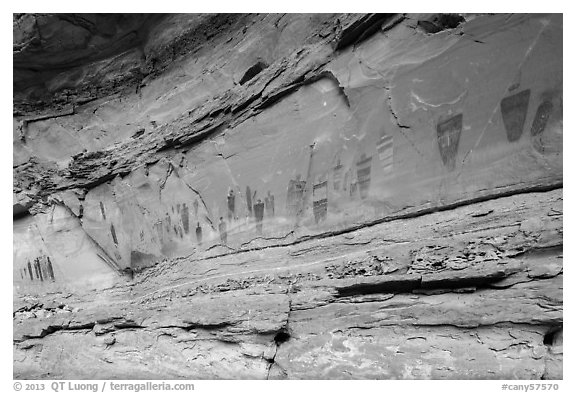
(288, 196)
(275, 313)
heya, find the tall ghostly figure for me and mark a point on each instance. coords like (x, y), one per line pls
(259, 214)
(231, 205)
(269, 204)
(199, 233)
(222, 229)
(249, 200)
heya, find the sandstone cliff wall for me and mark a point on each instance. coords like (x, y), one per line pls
(281, 159)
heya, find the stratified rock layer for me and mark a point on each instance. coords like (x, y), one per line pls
(289, 196)
(473, 292)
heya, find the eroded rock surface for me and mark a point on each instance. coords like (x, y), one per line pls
(288, 196)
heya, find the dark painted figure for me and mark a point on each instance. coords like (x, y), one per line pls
(320, 201)
(49, 267)
(269, 204)
(249, 200)
(514, 110)
(37, 270)
(222, 229)
(259, 214)
(185, 218)
(195, 204)
(102, 210)
(30, 271)
(167, 223)
(294, 197)
(353, 188)
(113, 232)
(42, 268)
(231, 205)
(449, 132)
(364, 167)
(337, 176)
(45, 269)
(539, 124)
(199, 233)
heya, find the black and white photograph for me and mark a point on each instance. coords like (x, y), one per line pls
(286, 196)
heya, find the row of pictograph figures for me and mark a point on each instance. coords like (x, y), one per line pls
(355, 181)
(39, 269)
